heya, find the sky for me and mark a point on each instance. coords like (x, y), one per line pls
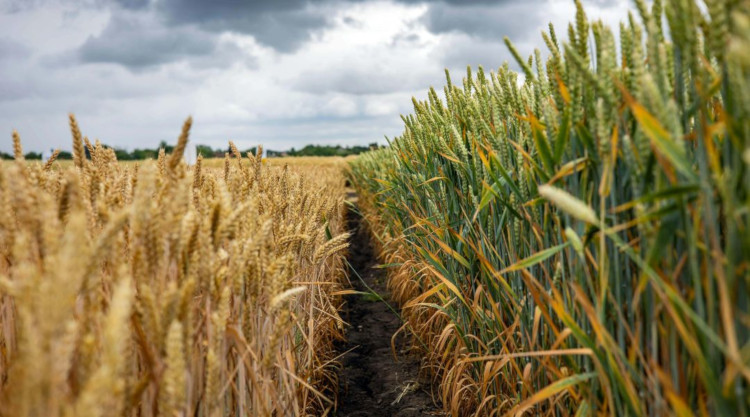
(280, 73)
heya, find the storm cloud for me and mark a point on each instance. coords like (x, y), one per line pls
(135, 43)
(485, 21)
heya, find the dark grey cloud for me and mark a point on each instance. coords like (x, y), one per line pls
(139, 43)
(10, 50)
(282, 24)
(494, 19)
(225, 55)
(15, 6)
(13, 56)
(455, 2)
(133, 4)
(487, 21)
(286, 24)
(192, 10)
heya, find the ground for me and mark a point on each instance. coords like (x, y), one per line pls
(372, 381)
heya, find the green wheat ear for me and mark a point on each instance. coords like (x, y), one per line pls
(595, 211)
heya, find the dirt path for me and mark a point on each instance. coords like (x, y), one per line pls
(372, 381)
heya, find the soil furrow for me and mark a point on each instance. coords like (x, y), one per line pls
(372, 381)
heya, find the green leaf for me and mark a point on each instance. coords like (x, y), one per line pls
(535, 258)
(542, 145)
(588, 140)
(563, 136)
(553, 389)
(584, 409)
(661, 140)
(505, 175)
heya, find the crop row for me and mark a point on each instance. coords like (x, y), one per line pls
(161, 289)
(574, 239)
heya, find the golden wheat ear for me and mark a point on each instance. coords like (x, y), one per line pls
(17, 149)
(79, 154)
(179, 149)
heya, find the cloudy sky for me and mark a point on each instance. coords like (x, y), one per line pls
(280, 73)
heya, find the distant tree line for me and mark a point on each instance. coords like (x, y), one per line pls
(324, 150)
(137, 154)
(209, 152)
(30, 155)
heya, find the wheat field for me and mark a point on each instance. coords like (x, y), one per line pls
(160, 289)
(567, 238)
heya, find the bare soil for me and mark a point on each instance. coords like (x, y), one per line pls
(372, 381)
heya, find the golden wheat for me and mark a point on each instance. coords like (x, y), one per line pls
(162, 289)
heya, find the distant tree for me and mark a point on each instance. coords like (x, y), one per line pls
(167, 147)
(209, 152)
(141, 154)
(321, 150)
(123, 155)
(205, 151)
